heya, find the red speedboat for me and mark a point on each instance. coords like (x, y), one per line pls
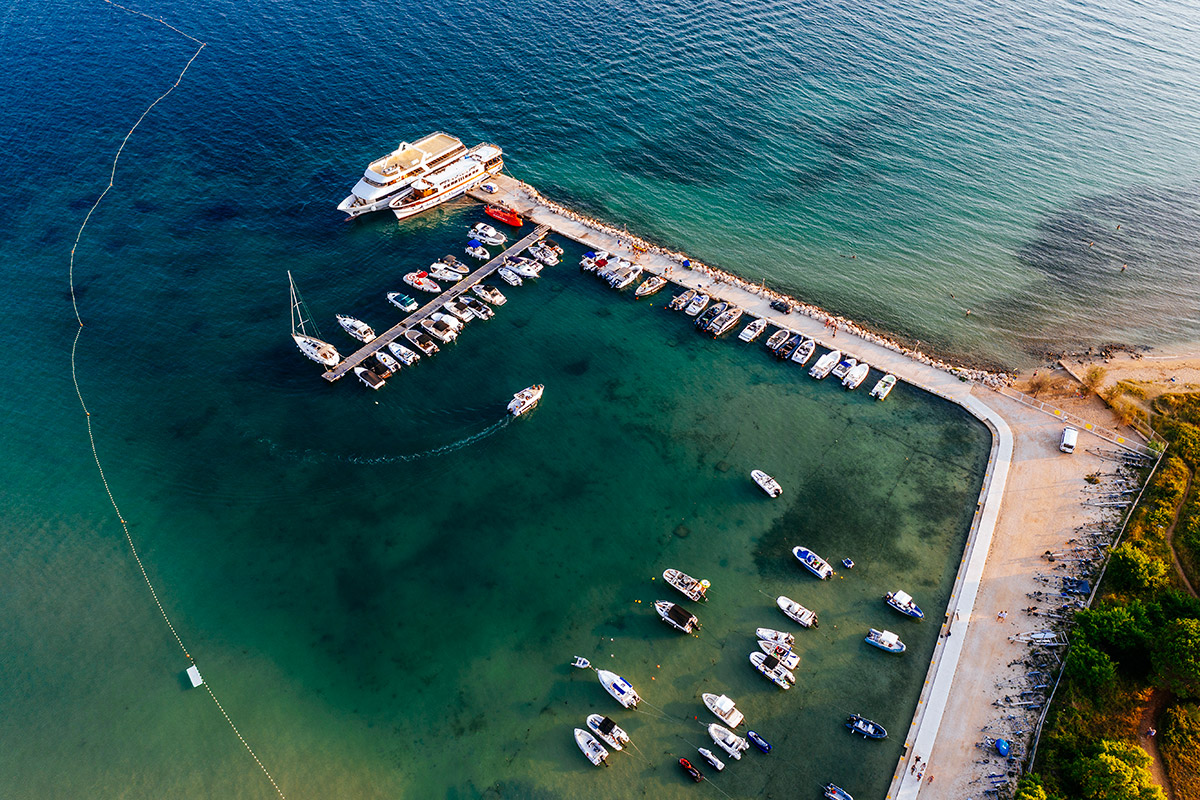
(504, 215)
(691, 771)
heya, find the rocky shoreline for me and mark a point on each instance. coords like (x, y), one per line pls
(993, 379)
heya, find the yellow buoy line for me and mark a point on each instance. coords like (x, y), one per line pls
(83, 404)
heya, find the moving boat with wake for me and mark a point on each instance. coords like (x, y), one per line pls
(525, 400)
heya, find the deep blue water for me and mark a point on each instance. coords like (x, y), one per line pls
(382, 625)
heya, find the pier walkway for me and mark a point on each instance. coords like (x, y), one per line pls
(393, 333)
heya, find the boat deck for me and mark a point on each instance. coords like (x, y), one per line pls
(393, 333)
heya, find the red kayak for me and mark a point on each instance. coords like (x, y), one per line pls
(504, 215)
(691, 771)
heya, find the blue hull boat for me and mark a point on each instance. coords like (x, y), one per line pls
(759, 742)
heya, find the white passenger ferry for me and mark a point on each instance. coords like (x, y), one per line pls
(453, 180)
(395, 172)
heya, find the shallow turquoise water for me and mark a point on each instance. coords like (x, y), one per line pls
(381, 622)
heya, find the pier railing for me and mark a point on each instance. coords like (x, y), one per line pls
(1151, 449)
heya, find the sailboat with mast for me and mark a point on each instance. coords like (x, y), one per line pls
(311, 346)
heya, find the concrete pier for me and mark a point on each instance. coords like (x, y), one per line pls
(393, 333)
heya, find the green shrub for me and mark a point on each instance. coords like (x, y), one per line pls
(1132, 568)
(1090, 669)
(1176, 658)
(1179, 742)
(1117, 771)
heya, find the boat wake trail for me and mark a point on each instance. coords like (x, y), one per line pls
(314, 456)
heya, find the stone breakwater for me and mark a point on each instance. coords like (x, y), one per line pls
(993, 380)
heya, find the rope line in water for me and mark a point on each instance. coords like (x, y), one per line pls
(79, 391)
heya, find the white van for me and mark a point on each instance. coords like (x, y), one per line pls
(1069, 437)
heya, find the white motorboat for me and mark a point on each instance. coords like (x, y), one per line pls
(422, 341)
(439, 329)
(524, 267)
(903, 602)
(477, 251)
(699, 301)
(450, 181)
(454, 322)
(813, 562)
(621, 689)
(772, 635)
(825, 364)
(724, 708)
(369, 379)
(544, 254)
(509, 277)
(403, 354)
(402, 301)
(591, 748)
(797, 612)
(884, 387)
(356, 328)
(766, 483)
(651, 285)
(886, 640)
(843, 367)
(725, 321)
(460, 309)
(680, 301)
(770, 668)
(389, 363)
(489, 293)
(443, 272)
(804, 351)
(753, 330)
(787, 657)
(454, 265)
(319, 351)
(487, 234)
(676, 616)
(608, 731)
(727, 740)
(776, 340)
(627, 278)
(856, 375)
(692, 589)
(421, 280)
(711, 758)
(590, 260)
(480, 309)
(525, 400)
(386, 177)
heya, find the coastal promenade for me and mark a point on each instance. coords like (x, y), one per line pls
(1029, 503)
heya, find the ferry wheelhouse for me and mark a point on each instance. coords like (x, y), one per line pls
(395, 172)
(450, 181)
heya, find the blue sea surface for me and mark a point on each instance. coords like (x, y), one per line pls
(384, 590)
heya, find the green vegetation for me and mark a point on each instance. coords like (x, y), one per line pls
(1139, 645)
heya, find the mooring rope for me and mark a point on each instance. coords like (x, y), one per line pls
(83, 404)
